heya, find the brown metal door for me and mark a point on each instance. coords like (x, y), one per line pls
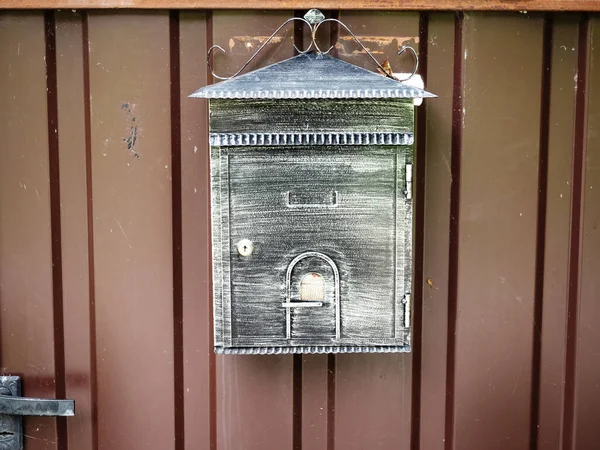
(105, 246)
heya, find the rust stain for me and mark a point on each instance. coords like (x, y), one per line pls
(377, 45)
(358, 51)
(253, 42)
(382, 41)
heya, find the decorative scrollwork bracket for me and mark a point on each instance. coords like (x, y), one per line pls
(314, 19)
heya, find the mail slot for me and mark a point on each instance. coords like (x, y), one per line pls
(312, 212)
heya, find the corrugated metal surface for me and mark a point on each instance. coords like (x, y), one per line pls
(104, 239)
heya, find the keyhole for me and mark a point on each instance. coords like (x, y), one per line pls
(245, 247)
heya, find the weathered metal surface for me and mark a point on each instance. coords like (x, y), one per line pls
(559, 198)
(11, 427)
(310, 138)
(314, 76)
(436, 192)
(199, 427)
(77, 259)
(584, 397)
(13, 407)
(497, 227)
(133, 255)
(13, 404)
(319, 120)
(27, 338)
(364, 238)
(302, 401)
(27, 406)
(362, 234)
(314, 16)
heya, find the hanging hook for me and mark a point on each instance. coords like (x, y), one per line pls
(314, 19)
(414, 53)
(218, 47)
(402, 50)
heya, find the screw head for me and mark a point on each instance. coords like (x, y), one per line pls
(245, 247)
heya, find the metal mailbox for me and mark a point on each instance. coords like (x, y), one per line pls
(312, 215)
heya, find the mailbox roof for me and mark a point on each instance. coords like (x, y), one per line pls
(311, 75)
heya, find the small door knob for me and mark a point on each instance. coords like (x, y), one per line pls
(245, 247)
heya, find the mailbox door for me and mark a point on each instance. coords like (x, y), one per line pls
(314, 297)
(340, 206)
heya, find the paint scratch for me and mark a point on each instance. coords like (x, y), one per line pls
(131, 139)
(124, 235)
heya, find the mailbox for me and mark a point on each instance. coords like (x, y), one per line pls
(312, 208)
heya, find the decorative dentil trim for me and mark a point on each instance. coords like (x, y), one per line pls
(320, 93)
(310, 349)
(341, 138)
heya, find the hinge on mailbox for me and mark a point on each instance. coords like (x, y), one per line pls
(406, 302)
(408, 191)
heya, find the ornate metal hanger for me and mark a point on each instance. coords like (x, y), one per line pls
(314, 19)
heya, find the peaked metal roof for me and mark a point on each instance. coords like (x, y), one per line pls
(311, 75)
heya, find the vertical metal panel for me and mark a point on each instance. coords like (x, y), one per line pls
(26, 279)
(324, 402)
(587, 362)
(315, 405)
(438, 180)
(177, 233)
(558, 215)
(498, 203)
(131, 162)
(195, 212)
(254, 403)
(254, 393)
(74, 225)
(573, 320)
(373, 392)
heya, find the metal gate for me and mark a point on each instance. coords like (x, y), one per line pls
(105, 246)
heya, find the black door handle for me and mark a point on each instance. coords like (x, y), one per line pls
(24, 406)
(13, 407)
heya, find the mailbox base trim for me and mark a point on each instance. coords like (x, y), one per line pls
(310, 349)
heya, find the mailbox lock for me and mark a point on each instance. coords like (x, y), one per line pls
(245, 247)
